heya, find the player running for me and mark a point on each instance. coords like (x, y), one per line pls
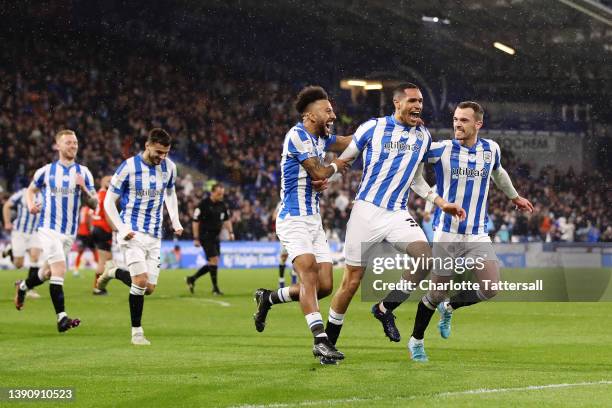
(102, 235)
(23, 234)
(464, 167)
(143, 183)
(298, 225)
(63, 183)
(393, 148)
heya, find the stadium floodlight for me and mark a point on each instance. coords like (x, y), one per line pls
(428, 19)
(373, 86)
(504, 48)
(356, 82)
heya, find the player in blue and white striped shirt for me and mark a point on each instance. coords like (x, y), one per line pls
(143, 183)
(464, 168)
(23, 233)
(64, 184)
(393, 148)
(298, 223)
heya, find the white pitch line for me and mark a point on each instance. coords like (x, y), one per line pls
(438, 395)
(194, 299)
(218, 302)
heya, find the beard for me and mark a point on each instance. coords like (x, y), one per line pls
(322, 130)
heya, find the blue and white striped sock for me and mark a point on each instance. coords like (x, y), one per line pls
(315, 323)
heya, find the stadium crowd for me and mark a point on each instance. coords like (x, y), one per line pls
(227, 132)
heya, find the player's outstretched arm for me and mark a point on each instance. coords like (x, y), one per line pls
(350, 154)
(341, 143)
(504, 183)
(420, 186)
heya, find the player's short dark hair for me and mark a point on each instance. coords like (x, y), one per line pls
(309, 95)
(398, 91)
(478, 111)
(216, 186)
(159, 135)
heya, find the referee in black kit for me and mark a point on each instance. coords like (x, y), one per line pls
(212, 215)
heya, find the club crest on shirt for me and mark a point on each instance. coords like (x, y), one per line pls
(487, 156)
(165, 176)
(65, 178)
(419, 135)
(152, 179)
(472, 157)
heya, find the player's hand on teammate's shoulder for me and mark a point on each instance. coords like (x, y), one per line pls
(343, 165)
(455, 210)
(320, 185)
(523, 204)
(178, 232)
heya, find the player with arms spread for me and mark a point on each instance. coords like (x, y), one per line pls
(393, 148)
(464, 168)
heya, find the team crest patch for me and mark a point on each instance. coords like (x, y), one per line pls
(487, 156)
(419, 135)
(152, 179)
(165, 176)
(65, 178)
(472, 157)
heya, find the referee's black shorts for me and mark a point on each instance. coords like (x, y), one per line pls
(103, 240)
(211, 246)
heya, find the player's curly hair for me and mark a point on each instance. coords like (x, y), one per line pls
(159, 135)
(309, 95)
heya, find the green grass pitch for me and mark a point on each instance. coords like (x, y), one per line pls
(205, 353)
